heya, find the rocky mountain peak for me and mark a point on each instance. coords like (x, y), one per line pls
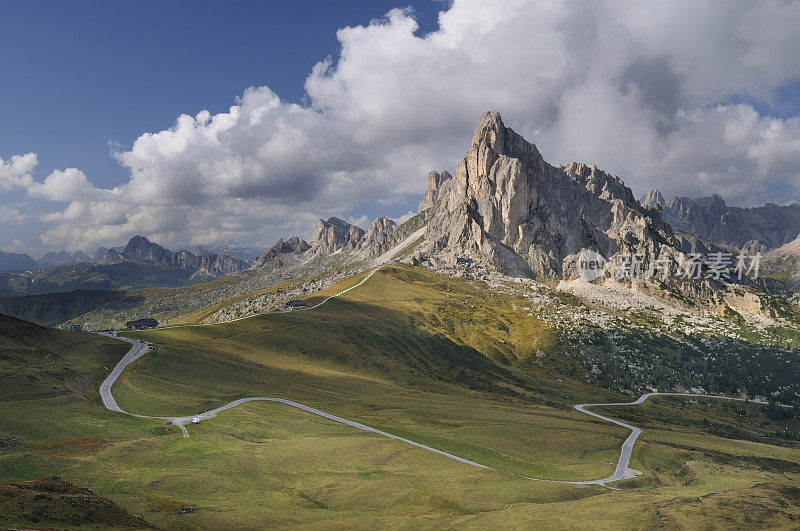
(141, 248)
(492, 138)
(335, 235)
(293, 245)
(652, 198)
(382, 224)
(378, 232)
(769, 226)
(435, 181)
(333, 220)
(296, 245)
(510, 209)
(111, 257)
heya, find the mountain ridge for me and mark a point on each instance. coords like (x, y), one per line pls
(763, 228)
(507, 207)
(140, 249)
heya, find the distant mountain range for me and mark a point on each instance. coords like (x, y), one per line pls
(504, 209)
(141, 250)
(16, 261)
(245, 252)
(141, 263)
(332, 238)
(758, 228)
(20, 262)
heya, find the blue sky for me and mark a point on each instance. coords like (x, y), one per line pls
(89, 72)
(195, 122)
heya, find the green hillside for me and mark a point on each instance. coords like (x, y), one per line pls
(48, 400)
(442, 361)
(39, 362)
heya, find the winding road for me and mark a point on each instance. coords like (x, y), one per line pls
(622, 471)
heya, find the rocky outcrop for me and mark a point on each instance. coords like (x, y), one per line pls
(213, 265)
(760, 228)
(378, 233)
(510, 209)
(293, 245)
(784, 262)
(142, 250)
(111, 257)
(652, 199)
(435, 182)
(335, 235)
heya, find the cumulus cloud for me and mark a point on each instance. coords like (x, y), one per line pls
(665, 94)
(16, 172)
(68, 185)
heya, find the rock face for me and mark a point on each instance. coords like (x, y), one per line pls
(784, 262)
(335, 235)
(142, 250)
(765, 227)
(293, 245)
(214, 265)
(378, 232)
(510, 209)
(111, 257)
(652, 198)
(435, 182)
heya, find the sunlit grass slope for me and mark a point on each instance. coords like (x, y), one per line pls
(442, 361)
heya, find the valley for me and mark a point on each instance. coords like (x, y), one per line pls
(369, 366)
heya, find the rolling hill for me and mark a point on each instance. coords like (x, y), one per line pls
(447, 362)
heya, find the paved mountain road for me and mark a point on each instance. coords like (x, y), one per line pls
(138, 349)
(622, 471)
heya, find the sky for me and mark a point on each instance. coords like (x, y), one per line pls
(194, 122)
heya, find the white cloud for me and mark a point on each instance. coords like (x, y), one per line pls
(68, 185)
(11, 216)
(362, 221)
(16, 172)
(405, 217)
(642, 89)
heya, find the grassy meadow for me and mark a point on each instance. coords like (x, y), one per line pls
(441, 361)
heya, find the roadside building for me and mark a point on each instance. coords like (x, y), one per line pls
(293, 304)
(141, 324)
